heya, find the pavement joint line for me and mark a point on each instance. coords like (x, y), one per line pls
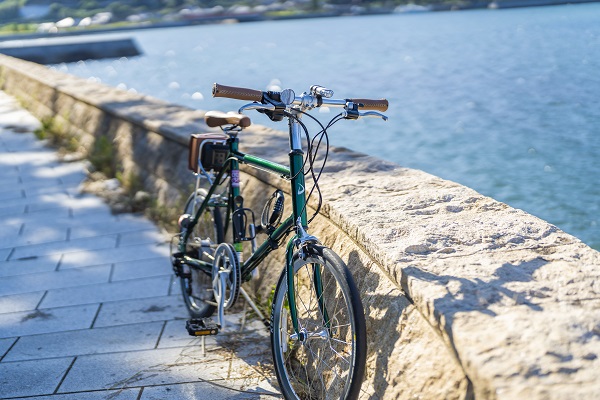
(41, 300)
(96, 316)
(65, 375)
(112, 272)
(58, 264)
(10, 348)
(160, 334)
(12, 251)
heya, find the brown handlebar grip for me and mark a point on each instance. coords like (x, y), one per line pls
(366, 104)
(238, 93)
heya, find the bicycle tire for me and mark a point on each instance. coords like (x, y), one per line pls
(196, 287)
(320, 368)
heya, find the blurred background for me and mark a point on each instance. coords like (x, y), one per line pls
(501, 99)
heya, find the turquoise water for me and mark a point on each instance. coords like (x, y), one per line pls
(504, 101)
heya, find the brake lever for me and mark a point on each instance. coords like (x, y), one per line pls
(372, 114)
(256, 106)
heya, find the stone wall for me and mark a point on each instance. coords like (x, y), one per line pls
(465, 297)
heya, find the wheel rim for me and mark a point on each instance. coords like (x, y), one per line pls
(319, 367)
(225, 262)
(197, 285)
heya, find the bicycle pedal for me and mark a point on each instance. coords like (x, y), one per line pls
(201, 327)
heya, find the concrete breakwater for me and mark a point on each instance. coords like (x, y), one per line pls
(465, 297)
(53, 52)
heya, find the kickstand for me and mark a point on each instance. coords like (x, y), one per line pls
(203, 346)
(244, 315)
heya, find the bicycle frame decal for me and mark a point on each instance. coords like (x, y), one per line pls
(235, 178)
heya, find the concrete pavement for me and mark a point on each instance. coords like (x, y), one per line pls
(89, 308)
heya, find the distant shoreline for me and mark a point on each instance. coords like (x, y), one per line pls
(257, 17)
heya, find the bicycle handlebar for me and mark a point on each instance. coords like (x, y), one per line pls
(238, 93)
(366, 104)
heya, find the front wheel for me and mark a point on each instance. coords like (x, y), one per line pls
(326, 358)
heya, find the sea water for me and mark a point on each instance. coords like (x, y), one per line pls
(506, 102)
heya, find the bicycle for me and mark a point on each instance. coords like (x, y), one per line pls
(317, 323)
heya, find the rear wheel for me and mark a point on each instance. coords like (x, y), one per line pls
(326, 359)
(196, 285)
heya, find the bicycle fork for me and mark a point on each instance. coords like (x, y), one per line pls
(302, 238)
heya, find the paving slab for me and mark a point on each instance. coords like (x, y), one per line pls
(175, 335)
(87, 341)
(31, 265)
(57, 249)
(11, 194)
(147, 310)
(82, 204)
(204, 390)
(30, 234)
(125, 394)
(114, 255)
(157, 266)
(157, 367)
(98, 225)
(47, 321)
(20, 302)
(29, 378)
(142, 237)
(41, 201)
(99, 293)
(55, 280)
(11, 210)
